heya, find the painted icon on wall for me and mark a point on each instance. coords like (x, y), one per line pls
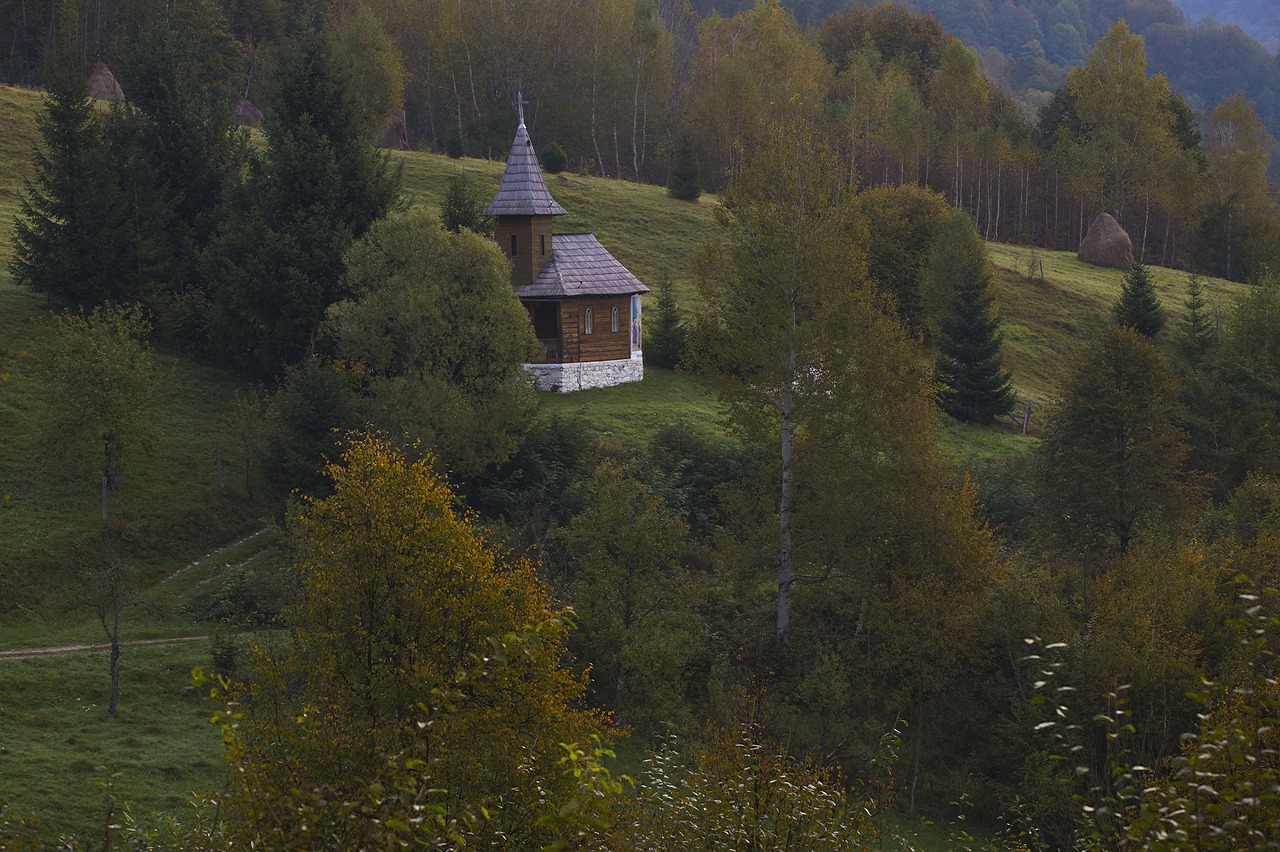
(635, 323)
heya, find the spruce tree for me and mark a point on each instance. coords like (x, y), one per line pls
(462, 208)
(685, 182)
(1114, 449)
(1196, 333)
(975, 384)
(176, 74)
(667, 332)
(58, 239)
(276, 264)
(1138, 307)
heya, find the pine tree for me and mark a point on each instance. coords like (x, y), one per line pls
(462, 208)
(1196, 333)
(975, 384)
(276, 263)
(57, 233)
(1138, 307)
(685, 182)
(667, 333)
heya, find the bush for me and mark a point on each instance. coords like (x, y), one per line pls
(554, 159)
(685, 182)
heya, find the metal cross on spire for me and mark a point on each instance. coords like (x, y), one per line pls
(520, 102)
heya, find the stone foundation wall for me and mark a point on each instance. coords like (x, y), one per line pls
(567, 378)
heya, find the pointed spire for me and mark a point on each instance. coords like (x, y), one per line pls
(520, 102)
(523, 192)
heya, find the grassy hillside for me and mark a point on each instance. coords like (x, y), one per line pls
(174, 501)
(650, 233)
(52, 729)
(18, 111)
(58, 746)
(1046, 319)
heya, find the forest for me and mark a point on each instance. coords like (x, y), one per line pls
(783, 626)
(619, 86)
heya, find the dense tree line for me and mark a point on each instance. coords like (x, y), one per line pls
(627, 89)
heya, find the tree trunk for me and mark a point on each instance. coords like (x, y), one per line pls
(115, 665)
(915, 763)
(783, 631)
(635, 122)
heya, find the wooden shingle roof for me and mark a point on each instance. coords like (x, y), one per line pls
(523, 191)
(580, 266)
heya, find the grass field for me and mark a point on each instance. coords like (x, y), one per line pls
(50, 499)
(1046, 320)
(58, 745)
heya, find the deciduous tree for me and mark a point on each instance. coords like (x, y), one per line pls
(409, 615)
(441, 339)
(637, 603)
(102, 379)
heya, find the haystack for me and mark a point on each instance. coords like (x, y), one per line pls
(246, 113)
(104, 86)
(1106, 244)
(396, 136)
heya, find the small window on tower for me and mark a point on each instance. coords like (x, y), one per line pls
(542, 244)
(587, 322)
(613, 320)
(513, 245)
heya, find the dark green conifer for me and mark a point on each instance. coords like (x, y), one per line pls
(975, 384)
(1138, 307)
(685, 182)
(1196, 333)
(276, 264)
(667, 333)
(57, 238)
(462, 207)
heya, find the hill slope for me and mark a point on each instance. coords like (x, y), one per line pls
(52, 511)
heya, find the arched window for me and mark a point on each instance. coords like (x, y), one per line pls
(613, 320)
(542, 244)
(587, 322)
(513, 245)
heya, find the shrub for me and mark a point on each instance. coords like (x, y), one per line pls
(554, 159)
(685, 182)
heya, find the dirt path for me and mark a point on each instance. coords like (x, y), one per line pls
(250, 537)
(36, 653)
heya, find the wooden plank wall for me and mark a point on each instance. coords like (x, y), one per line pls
(529, 259)
(602, 344)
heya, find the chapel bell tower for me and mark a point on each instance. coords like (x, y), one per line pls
(523, 208)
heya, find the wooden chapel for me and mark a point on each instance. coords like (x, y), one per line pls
(583, 303)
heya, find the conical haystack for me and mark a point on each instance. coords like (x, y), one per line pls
(1106, 244)
(246, 113)
(396, 136)
(104, 86)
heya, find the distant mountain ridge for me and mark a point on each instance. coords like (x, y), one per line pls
(1258, 18)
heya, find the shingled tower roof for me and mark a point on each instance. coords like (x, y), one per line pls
(523, 192)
